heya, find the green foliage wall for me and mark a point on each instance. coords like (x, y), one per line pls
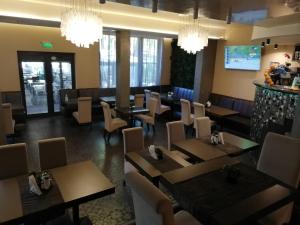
(182, 67)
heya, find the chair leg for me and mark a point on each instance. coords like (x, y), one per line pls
(108, 138)
(153, 128)
(148, 127)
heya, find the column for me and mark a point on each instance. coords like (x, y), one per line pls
(123, 68)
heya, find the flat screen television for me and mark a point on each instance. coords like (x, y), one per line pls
(243, 57)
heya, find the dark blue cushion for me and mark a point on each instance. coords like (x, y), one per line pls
(226, 102)
(244, 107)
(184, 93)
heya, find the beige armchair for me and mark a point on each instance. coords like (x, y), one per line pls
(203, 127)
(13, 160)
(151, 206)
(133, 140)
(149, 119)
(8, 121)
(147, 97)
(175, 131)
(139, 100)
(52, 153)
(160, 109)
(84, 113)
(186, 117)
(280, 158)
(110, 124)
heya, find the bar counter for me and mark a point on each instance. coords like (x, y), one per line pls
(274, 105)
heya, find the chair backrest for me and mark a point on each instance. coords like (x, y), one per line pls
(107, 115)
(280, 158)
(85, 109)
(139, 100)
(185, 111)
(52, 153)
(152, 106)
(199, 110)
(13, 160)
(175, 131)
(8, 123)
(203, 127)
(151, 206)
(133, 139)
(147, 97)
(156, 95)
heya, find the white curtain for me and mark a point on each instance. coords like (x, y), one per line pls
(108, 60)
(145, 61)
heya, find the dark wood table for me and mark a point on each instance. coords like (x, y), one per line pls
(201, 149)
(204, 191)
(218, 111)
(152, 168)
(74, 184)
(129, 112)
(111, 100)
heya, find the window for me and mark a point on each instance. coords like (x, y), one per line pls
(108, 60)
(145, 61)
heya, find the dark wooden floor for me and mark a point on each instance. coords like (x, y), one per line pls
(84, 143)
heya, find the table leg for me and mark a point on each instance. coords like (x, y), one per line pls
(76, 219)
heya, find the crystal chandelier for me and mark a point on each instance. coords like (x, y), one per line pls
(81, 23)
(192, 37)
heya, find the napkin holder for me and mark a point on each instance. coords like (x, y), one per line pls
(39, 182)
(217, 138)
(155, 152)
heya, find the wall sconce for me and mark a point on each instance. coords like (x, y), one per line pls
(276, 46)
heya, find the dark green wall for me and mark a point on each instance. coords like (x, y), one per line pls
(182, 67)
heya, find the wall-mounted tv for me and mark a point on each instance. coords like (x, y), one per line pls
(243, 57)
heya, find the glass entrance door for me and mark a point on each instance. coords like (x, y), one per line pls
(42, 76)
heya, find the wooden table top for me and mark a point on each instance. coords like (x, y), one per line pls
(150, 170)
(73, 184)
(112, 99)
(132, 110)
(202, 148)
(220, 111)
(203, 190)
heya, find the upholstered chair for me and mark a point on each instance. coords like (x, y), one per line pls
(199, 111)
(52, 153)
(110, 124)
(280, 158)
(139, 100)
(160, 109)
(186, 117)
(147, 97)
(13, 160)
(203, 127)
(151, 206)
(8, 121)
(149, 119)
(84, 113)
(133, 140)
(175, 131)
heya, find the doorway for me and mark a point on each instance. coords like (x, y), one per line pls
(42, 76)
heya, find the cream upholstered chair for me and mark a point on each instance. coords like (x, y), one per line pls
(139, 100)
(111, 124)
(8, 121)
(203, 127)
(52, 153)
(186, 117)
(175, 131)
(149, 119)
(147, 97)
(151, 206)
(133, 140)
(160, 109)
(280, 158)
(13, 160)
(84, 113)
(199, 111)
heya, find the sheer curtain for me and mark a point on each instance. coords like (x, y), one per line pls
(108, 60)
(145, 61)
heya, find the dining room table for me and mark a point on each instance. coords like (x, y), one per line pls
(111, 100)
(212, 195)
(219, 113)
(154, 168)
(128, 113)
(201, 149)
(72, 185)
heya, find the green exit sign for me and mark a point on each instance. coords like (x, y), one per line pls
(46, 44)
